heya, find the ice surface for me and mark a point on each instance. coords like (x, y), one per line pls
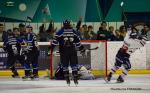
(132, 84)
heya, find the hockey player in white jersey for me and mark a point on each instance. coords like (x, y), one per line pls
(132, 42)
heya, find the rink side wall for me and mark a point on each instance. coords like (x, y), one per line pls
(140, 60)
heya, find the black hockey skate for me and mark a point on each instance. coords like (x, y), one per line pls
(75, 77)
(35, 77)
(67, 77)
(15, 73)
(15, 76)
(75, 81)
(68, 81)
(26, 78)
(108, 78)
(120, 80)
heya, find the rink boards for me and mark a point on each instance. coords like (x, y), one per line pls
(140, 60)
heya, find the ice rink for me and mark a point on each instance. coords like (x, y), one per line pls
(133, 84)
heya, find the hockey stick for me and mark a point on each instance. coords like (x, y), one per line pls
(123, 12)
(95, 48)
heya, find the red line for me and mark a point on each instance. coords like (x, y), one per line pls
(93, 41)
(106, 56)
(106, 53)
(51, 63)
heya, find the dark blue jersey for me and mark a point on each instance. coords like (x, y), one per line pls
(12, 44)
(31, 41)
(66, 38)
(22, 39)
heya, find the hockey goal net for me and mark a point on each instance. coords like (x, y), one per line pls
(95, 61)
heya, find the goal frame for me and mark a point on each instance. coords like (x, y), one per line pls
(87, 41)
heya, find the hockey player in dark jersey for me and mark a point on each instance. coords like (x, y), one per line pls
(132, 42)
(68, 41)
(12, 47)
(32, 52)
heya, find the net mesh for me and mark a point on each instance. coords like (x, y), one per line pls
(95, 61)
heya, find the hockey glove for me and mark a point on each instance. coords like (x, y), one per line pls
(83, 51)
(4, 48)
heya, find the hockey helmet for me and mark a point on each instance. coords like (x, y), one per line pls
(28, 26)
(66, 23)
(10, 32)
(133, 35)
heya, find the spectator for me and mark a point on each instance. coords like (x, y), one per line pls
(22, 29)
(90, 34)
(123, 32)
(84, 31)
(42, 34)
(102, 34)
(111, 35)
(117, 36)
(79, 24)
(3, 33)
(51, 30)
(81, 33)
(146, 31)
(78, 29)
(148, 35)
(50, 27)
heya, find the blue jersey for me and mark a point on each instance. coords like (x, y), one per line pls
(31, 41)
(22, 39)
(12, 44)
(66, 38)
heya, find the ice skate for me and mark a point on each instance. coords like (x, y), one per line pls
(35, 77)
(75, 77)
(15, 76)
(68, 81)
(120, 80)
(75, 81)
(108, 78)
(26, 78)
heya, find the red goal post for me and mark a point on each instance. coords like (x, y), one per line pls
(96, 60)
